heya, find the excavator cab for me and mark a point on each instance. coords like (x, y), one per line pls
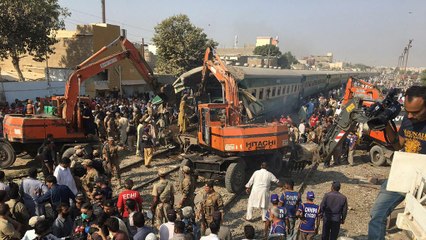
(211, 114)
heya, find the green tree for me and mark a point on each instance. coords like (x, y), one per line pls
(286, 60)
(423, 77)
(267, 50)
(180, 45)
(28, 28)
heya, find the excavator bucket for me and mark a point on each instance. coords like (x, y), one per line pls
(297, 166)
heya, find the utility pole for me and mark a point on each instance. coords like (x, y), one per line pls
(143, 48)
(399, 62)
(103, 11)
(407, 50)
(269, 53)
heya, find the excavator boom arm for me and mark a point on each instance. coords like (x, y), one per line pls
(367, 90)
(88, 69)
(351, 115)
(214, 64)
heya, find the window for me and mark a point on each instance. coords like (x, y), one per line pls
(261, 93)
(268, 93)
(273, 91)
(279, 91)
(253, 93)
(287, 89)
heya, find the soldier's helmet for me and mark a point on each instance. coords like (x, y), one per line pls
(186, 169)
(162, 172)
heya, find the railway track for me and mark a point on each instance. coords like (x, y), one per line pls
(127, 167)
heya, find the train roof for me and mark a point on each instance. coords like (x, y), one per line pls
(249, 72)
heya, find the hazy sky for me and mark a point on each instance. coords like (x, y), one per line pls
(373, 32)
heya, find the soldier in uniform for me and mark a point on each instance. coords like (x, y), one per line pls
(139, 133)
(149, 109)
(102, 132)
(110, 154)
(88, 180)
(148, 147)
(77, 157)
(163, 194)
(187, 189)
(211, 202)
(111, 126)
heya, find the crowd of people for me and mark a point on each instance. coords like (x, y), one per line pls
(53, 210)
(286, 211)
(315, 119)
(77, 199)
(78, 187)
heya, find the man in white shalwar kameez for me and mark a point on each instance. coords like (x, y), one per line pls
(63, 175)
(260, 182)
(123, 124)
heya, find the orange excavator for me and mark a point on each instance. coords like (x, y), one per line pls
(363, 90)
(372, 140)
(229, 145)
(27, 133)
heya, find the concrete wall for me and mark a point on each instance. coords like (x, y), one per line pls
(31, 90)
(59, 74)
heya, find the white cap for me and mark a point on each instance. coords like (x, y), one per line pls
(32, 222)
(151, 236)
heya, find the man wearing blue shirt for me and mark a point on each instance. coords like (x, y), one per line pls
(277, 225)
(334, 207)
(309, 216)
(290, 199)
(56, 194)
(282, 214)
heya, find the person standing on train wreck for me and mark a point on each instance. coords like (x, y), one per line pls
(258, 187)
(182, 118)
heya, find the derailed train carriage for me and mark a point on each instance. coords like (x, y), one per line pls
(268, 92)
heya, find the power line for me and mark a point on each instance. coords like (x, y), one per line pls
(73, 21)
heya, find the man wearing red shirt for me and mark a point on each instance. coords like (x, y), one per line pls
(128, 193)
(313, 120)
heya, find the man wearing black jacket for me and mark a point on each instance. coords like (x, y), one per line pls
(56, 194)
(334, 207)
